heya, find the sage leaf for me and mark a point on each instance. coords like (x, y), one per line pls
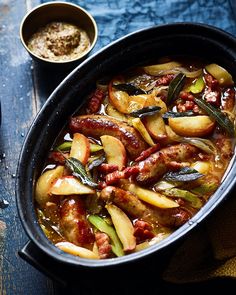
(177, 114)
(175, 87)
(184, 174)
(129, 88)
(148, 111)
(79, 171)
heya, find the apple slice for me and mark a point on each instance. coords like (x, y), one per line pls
(44, 183)
(69, 185)
(76, 250)
(124, 227)
(151, 197)
(112, 111)
(80, 148)
(114, 150)
(196, 126)
(138, 125)
(155, 126)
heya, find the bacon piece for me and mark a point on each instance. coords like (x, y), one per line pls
(95, 101)
(142, 231)
(124, 174)
(165, 80)
(98, 125)
(107, 168)
(148, 152)
(212, 93)
(104, 246)
(73, 222)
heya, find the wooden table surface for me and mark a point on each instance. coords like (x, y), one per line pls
(24, 89)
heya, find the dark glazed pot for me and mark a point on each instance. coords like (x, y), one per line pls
(138, 48)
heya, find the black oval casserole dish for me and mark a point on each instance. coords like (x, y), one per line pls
(142, 47)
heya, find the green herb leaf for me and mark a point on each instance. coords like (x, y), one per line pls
(177, 114)
(79, 171)
(129, 88)
(175, 87)
(184, 174)
(103, 226)
(215, 113)
(148, 111)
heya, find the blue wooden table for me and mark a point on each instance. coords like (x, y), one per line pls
(24, 89)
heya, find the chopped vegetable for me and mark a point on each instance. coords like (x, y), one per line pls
(163, 184)
(124, 227)
(205, 188)
(184, 174)
(79, 171)
(103, 226)
(222, 76)
(202, 143)
(184, 194)
(215, 113)
(95, 147)
(198, 86)
(65, 146)
(148, 111)
(175, 87)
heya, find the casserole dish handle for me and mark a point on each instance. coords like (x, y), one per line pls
(43, 263)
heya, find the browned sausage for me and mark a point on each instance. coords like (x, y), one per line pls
(130, 204)
(98, 125)
(152, 168)
(73, 223)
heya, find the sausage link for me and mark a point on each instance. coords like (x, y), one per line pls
(73, 223)
(98, 125)
(152, 168)
(129, 203)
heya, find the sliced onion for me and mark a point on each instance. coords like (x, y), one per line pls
(191, 74)
(171, 68)
(204, 144)
(157, 70)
